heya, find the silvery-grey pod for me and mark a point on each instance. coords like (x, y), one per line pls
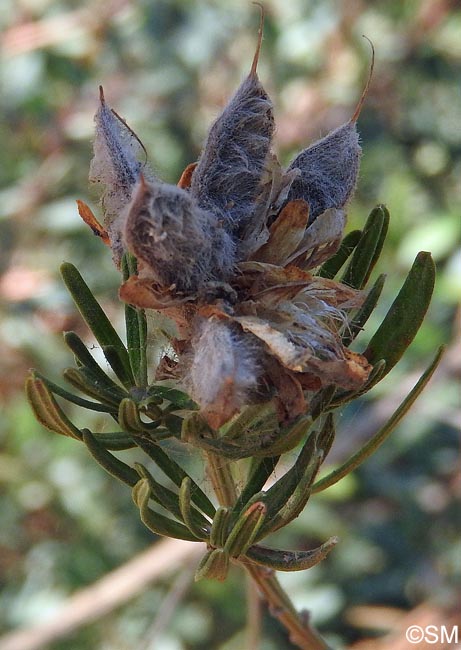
(177, 243)
(116, 166)
(230, 167)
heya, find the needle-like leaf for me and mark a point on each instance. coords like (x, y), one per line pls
(372, 445)
(368, 248)
(108, 461)
(157, 523)
(112, 346)
(290, 560)
(47, 410)
(405, 315)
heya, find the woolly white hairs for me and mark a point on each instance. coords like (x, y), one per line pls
(227, 177)
(116, 166)
(224, 369)
(178, 243)
(330, 167)
(329, 170)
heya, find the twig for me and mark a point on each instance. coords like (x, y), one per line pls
(253, 615)
(168, 607)
(111, 591)
(280, 605)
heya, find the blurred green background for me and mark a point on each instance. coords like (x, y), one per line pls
(168, 67)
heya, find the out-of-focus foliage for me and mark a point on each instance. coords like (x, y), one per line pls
(168, 67)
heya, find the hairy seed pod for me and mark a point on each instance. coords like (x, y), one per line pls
(224, 369)
(116, 166)
(229, 170)
(329, 168)
(176, 242)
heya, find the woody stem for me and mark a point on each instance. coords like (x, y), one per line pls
(280, 605)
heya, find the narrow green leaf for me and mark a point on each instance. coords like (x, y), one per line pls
(159, 493)
(177, 397)
(326, 435)
(47, 410)
(220, 527)
(331, 267)
(128, 417)
(156, 434)
(364, 313)
(172, 502)
(368, 248)
(157, 523)
(110, 342)
(245, 529)
(289, 437)
(70, 397)
(136, 328)
(261, 470)
(193, 519)
(110, 463)
(279, 493)
(214, 564)
(176, 473)
(406, 314)
(82, 354)
(380, 242)
(115, 440)
(378, 439)
(290, 560)
(298, 499)
(83, 379)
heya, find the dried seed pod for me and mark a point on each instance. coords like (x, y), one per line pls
(224, 370)
(228, 174)
(176, 242)
(116, 166)
(303, 344)
(329, 168)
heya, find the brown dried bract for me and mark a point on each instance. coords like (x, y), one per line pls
(186, 177)
(285, 234)
(88, 217)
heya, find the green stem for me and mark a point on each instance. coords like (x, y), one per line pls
(221, 479)
(279, 603)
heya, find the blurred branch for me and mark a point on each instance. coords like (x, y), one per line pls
(168, 607)
(426, 616)
(254, 615)
(111, 591)
(34, 35)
